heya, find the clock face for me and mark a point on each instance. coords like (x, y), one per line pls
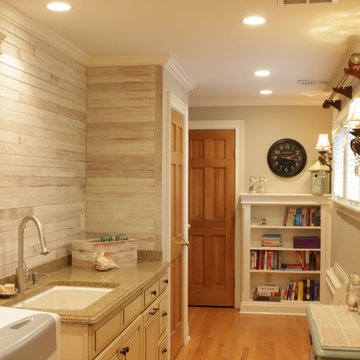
(286, 157)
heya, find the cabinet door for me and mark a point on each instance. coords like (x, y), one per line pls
(111, 352)
(163, 346)
(132, 345)
(151, 333)
(163, 314)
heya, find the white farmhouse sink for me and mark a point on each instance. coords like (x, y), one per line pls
(64, 297)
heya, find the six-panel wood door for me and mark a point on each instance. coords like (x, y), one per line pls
(211, 216)
(177, 232)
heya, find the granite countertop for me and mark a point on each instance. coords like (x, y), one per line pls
(125, 281)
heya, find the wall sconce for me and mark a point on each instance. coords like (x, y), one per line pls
(2, 37)
(324, 148)
(353, 121)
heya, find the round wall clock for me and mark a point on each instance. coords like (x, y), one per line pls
(286, 157)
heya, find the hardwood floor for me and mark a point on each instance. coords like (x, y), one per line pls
(225, 334)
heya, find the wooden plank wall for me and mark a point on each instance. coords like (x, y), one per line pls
(42, 146)
(124, 153)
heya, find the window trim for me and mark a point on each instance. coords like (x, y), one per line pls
(342, 203)
(346, 208)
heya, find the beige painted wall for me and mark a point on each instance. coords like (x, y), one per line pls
(170, 84)
(263, 125)
(42, 146)
(345, 242)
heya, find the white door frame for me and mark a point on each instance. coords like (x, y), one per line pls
(238, 126)
(173, 102)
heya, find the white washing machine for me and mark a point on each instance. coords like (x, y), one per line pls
(29, 335)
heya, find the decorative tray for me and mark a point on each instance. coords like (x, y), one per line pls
(8, 294)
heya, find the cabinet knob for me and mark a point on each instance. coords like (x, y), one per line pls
(125, 350)
(164, 313)
(153, 292)
(163, 350)
(166, 281)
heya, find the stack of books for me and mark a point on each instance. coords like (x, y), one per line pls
(308, 260)
(265, 260)
(271, 240)
(258, 221)
(267, 292)
(302, 290)
(302, 217)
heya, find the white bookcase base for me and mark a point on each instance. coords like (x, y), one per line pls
(274, 307)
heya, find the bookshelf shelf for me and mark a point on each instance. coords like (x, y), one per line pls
(274, 208)
(287, 302)
(280, 248)
(285, 227)
(287, 272)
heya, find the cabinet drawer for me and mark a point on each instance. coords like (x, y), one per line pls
(163, 282)
(163, 349)
(107, 332)
(163, 314)
(151, 293)
(133, 309)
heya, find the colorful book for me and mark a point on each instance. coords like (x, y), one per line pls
(298, 254)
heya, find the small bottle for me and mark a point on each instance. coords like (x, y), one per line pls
(353, 292)
(253, 185)
(262, 184)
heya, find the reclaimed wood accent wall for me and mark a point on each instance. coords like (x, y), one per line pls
(124, 137)
(42, 146)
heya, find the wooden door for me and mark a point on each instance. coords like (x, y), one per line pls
(211, 217)
(177, 233)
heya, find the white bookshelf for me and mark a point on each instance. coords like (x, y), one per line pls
(273, 208)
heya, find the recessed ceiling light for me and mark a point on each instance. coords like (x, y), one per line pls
(58, 6)
(265, 92)
(254, 20)
(262, 73)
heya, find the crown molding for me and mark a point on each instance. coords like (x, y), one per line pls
(52, 38)
(179, 74)
(2, 37)
(124, 60)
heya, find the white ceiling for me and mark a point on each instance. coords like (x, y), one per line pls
(212, 45)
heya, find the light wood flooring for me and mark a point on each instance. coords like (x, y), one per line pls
(225, 334)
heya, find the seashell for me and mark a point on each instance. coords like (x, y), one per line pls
(104, 262)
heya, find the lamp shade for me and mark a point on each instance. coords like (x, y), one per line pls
(353, 118)
(323, 143)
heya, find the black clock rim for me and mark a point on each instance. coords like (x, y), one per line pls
(295, 142)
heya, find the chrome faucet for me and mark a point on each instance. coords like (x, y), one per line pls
(21, 270)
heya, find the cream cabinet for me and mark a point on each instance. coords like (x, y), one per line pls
(150, 332)
(135, 330)
(155, 329)
(132, 348)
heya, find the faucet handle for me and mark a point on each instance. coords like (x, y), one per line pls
(28, 273)
(36, 275)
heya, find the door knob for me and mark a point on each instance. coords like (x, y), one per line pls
(189, 226)
(183, 242)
